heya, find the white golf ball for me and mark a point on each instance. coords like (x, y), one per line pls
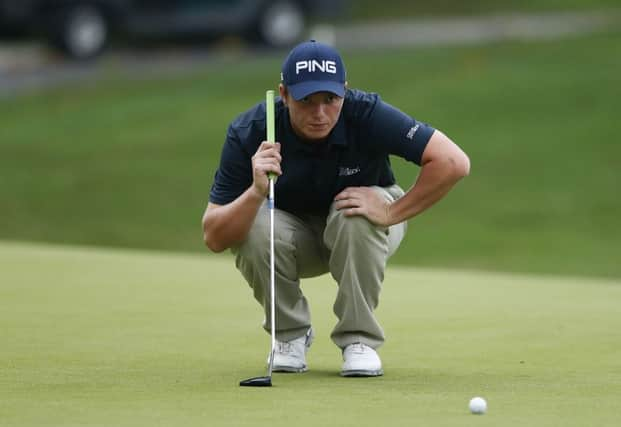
(478, 405)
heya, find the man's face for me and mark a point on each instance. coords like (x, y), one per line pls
(314, 117)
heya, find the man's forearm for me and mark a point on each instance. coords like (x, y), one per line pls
(226, 225)
(436, 179)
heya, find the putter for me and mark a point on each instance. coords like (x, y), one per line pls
(266, 381)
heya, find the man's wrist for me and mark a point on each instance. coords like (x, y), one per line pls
(255, 193)
(387, 214)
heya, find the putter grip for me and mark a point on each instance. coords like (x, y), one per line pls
(270, 121)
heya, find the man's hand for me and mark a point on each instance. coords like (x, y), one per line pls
(267, 159)
(364, 201)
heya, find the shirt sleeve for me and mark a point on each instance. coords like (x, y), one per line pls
(234, 174)
(398, 133)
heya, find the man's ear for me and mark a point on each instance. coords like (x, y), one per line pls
(283, 93)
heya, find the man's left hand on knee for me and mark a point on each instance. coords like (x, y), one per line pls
(364, 201)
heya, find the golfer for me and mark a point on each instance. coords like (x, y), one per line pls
(338, 207)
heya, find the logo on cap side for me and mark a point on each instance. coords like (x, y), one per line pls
(312, 65)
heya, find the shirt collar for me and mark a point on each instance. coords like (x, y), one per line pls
(338, 136)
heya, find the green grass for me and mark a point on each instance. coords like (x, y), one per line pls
(128, 163)
(370, 9)
(93, 337)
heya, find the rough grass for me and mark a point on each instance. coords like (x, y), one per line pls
(396, 9)
(122, 162)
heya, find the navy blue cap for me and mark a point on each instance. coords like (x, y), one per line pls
(313, 67)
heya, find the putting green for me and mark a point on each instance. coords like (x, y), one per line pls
(93, 337)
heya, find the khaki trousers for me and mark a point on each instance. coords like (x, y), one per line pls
(352, 249)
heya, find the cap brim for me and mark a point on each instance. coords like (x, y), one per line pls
(304, 89)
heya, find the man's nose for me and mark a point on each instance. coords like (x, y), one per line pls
(318, 109)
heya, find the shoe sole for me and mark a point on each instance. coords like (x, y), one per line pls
(362, 373)
(289, 369)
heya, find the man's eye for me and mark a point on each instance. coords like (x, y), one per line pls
(331, 99)
(306, 100)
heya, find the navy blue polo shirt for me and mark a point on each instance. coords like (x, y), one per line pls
(356, 153)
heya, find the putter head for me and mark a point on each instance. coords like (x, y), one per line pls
(261, 381)
(257, 382)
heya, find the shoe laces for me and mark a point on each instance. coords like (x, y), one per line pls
(288, 347)
(284, 347)
(357, 348)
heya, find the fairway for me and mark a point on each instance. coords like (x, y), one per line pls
(93, 337)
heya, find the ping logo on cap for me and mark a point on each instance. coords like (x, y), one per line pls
(313, 65)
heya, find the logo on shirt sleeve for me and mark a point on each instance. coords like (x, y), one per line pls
(412, 131)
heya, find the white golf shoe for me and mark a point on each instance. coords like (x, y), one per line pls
(290, 356)
(360, 360)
